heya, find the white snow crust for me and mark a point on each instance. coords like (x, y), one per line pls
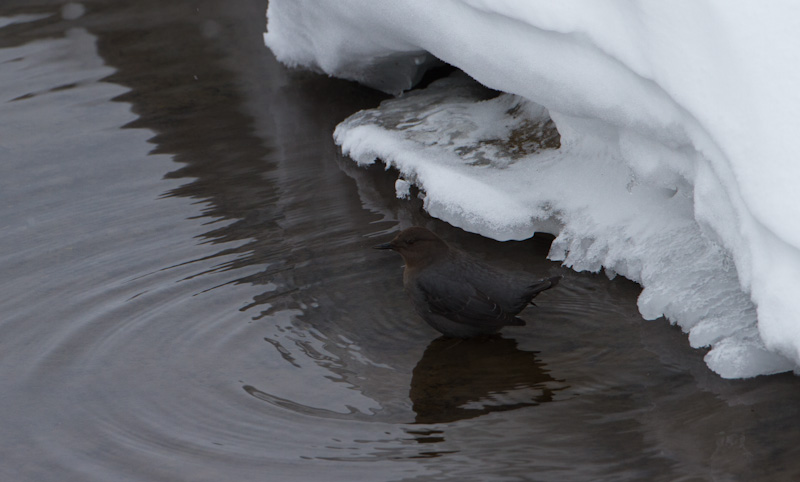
(673, 163)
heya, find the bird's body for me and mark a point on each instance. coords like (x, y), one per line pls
(456, 294)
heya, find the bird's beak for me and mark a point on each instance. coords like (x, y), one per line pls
(384, 246)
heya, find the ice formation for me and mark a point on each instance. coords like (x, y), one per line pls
(672, 163)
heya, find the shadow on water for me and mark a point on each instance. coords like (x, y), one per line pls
(184, 94)
(190, 96)
(462, 379)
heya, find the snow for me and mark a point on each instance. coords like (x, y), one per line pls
(673, 160)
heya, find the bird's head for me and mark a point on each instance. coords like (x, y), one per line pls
(417, 245)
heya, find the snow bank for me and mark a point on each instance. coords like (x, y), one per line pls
(672, 164)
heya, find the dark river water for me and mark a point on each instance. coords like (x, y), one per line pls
(189, 293)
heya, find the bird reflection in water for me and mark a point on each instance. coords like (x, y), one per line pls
(459, 379)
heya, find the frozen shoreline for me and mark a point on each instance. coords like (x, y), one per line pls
(654, 178)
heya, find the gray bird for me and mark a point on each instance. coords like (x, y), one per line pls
(456, 294)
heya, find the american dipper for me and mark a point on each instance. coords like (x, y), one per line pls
(456, 294)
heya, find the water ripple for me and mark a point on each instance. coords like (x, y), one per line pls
(189, 292)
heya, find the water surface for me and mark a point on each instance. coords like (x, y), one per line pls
(189, 293)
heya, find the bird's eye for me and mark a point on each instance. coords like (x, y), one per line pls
(410, 241)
